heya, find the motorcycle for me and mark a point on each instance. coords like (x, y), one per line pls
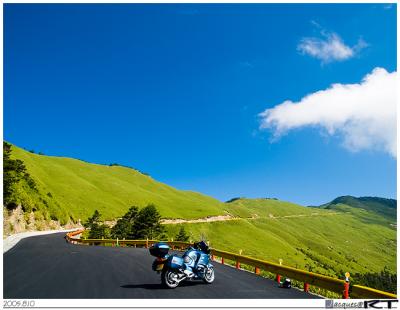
(194, 264)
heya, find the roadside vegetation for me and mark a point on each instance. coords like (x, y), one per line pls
(32, 207)
(136, 224)
(182, 235)
(385, 280)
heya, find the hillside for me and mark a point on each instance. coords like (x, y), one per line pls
(328, 241)
(380, 206)
(265, 207)
(71, 188)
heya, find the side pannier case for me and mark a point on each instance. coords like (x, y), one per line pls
(158, 264)
(159, 249)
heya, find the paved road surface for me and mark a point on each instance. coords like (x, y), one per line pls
(49, 267)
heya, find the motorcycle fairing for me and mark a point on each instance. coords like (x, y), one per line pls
(175, 262)
(204, 259)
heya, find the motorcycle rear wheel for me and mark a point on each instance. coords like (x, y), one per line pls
(167, 279)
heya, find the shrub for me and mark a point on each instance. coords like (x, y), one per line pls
(182, 236)
(97, 230)
(232, 200)
(384, 280)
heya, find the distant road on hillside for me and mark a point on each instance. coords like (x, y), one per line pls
(49, 267)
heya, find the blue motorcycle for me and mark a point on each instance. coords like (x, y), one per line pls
(193, 265)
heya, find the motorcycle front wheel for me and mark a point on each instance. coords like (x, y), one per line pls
(169, 278)
(209, 275)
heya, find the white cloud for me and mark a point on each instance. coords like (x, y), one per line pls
(329, 48)
(363, 114)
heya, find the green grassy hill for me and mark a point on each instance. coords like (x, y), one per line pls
(373, 205)
(265, 207)
(74, 188)
(321, 240)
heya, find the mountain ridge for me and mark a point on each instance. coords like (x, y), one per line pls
(385, 207)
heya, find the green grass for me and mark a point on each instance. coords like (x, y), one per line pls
(246, 208)
(386, 208)
(326, 243)
(78, 188)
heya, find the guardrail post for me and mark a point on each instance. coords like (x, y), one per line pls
(237, 264)
(278, 276)
(306, 287)
(346, 286)
(346, 290)
(222, 260)
(257, 270)
(117, 242)
(147, 243)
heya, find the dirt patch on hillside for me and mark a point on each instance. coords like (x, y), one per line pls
(222, 218)
(16, 221)
(219, 218)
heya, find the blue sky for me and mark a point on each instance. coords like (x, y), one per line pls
(177, 91)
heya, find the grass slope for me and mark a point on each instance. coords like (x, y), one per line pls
(78, 188)
(373, 205)
(264, 207)
(319, 240)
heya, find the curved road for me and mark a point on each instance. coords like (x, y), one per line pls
(49, 267)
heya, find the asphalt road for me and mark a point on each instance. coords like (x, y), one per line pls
(49, 267)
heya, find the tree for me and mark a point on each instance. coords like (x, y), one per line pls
(121, 229)
(124, 226)
(95, 219)
(147, 223)
(97, 229)
(182, 236)
(14, 171)
(139, 224)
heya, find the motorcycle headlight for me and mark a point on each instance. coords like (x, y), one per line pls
(187, 260)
